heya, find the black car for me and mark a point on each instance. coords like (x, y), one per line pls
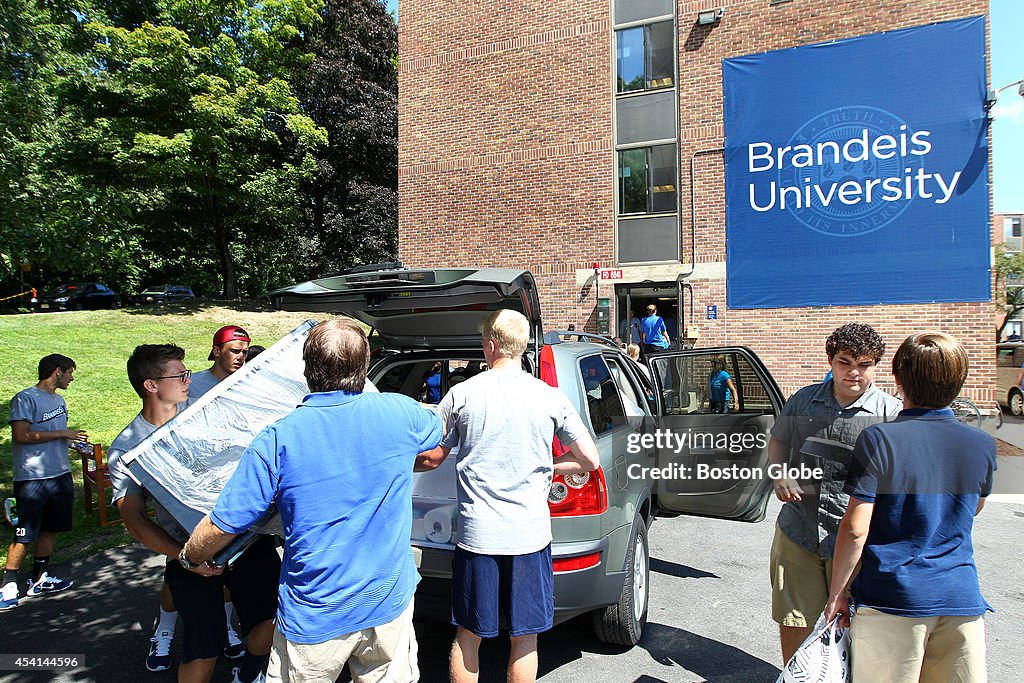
(159, 295)
(76, 297)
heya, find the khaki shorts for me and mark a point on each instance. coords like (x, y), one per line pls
(384, 654)
(800, 581)
(911, 649)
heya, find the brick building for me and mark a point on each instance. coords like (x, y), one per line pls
(516, 120)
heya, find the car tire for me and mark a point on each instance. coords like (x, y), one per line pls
(113, 305)
(77, 307)
(1016, 402)
(623, 623)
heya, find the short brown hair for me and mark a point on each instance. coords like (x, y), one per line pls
(147, 362)
(856, 339)
(337, 355)
(509, 330)
(931, 367)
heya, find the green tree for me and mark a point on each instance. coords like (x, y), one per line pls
(1009, 285)
(351, 90)
(184, 117)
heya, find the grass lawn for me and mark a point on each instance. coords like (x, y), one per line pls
(100, 400)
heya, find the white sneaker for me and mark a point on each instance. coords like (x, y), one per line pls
(262, 678)
(9, 596)
(159, 657)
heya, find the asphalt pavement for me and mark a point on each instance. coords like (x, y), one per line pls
(708, 614)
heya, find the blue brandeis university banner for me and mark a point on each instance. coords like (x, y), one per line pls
(856, 172)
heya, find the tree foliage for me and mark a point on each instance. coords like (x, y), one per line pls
(1009, 286)
(351, 89)
(185, 140)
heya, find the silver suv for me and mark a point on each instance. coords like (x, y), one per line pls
(425, 323)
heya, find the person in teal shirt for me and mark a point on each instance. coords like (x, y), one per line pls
(721, 389)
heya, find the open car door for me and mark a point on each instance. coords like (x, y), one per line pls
(713, 464)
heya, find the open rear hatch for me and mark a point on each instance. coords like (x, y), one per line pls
(421, 308)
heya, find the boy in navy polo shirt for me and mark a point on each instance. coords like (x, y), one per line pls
(915, 485)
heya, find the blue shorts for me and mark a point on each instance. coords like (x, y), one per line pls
(515, 592)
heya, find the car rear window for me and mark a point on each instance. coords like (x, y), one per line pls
(603, 403)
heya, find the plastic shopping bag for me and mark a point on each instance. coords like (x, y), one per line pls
(823, 658)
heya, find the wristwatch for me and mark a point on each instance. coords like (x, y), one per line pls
(185, 562)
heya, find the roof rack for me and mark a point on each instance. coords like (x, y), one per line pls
(555, 337)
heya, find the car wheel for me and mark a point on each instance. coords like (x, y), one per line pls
(77, 307)
(113, 305)
(1016, 403)
(623, 623)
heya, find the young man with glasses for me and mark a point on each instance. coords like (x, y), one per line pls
(229, 351)
(157, 373)
(42, 477)
(230, 344)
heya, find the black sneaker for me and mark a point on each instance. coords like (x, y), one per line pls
(234, 650)
(159, 657)
(48, 584)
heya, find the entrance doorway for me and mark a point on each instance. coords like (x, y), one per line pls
(666, 296)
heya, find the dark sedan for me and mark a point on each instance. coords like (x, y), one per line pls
(76, 297)
(164, 294)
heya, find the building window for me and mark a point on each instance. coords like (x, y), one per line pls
(645, 57)
(1012, 227)
(647, 180)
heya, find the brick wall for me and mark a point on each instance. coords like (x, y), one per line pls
(506, 159)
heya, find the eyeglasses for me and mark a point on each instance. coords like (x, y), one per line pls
(181, 376)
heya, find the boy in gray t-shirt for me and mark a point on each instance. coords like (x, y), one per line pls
(503, 422)
(42, 477)
(158, 375)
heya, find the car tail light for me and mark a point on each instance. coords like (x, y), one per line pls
(578, 494)
(547, 366)
(574, 494)
(569, 564)
(550, 377)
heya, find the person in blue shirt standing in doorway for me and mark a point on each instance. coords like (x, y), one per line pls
(653, 333)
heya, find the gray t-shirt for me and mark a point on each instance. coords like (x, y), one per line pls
(45, 412)
(201, 383)
(123, 485)
(503, 422)
(820, 433)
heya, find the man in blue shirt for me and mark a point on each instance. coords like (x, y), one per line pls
(339, 469)
(653, 332)
(915, 486)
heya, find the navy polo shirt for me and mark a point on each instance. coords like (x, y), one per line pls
(925, 473)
